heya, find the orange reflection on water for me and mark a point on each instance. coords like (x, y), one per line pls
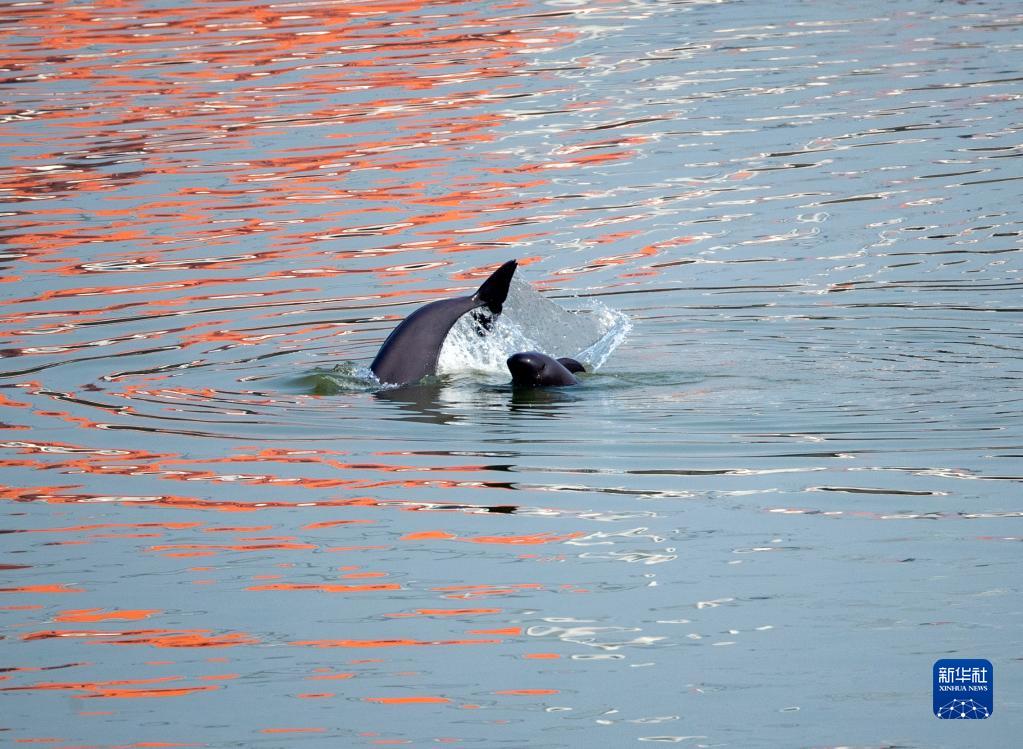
(407, 700)
(234, 547)
(446, 612)
(159, 225)
(97, 615)
(122, 688)
(65, 495)
(483, 591)
(331, 677)
(327, 587)
(159, 638)
(526, 540)
(98, 526)
(75, 460)
(54, 588)
(389, 643)
(227, 87)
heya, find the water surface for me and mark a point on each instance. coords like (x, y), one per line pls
(792, 488)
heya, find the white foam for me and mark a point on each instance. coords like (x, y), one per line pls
(530, 322)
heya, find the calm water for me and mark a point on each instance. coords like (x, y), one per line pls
(792, 488)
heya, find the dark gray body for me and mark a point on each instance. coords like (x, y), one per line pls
(411, 350)
(533, 369)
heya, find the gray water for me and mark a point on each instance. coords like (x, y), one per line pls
(792, 488)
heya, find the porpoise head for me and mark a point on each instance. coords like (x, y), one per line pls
(533, 369)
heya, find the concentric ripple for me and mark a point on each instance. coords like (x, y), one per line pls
(792, 233)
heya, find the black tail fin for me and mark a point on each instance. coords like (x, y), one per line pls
(494, 290)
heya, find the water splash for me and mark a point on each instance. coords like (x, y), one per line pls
(617, 326)
(345, 377)
(530, 322)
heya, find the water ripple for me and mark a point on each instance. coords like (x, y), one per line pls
(806, 442)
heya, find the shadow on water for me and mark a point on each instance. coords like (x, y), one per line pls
(547, 402)
(422, 403)
(452, 403)
(450, 399)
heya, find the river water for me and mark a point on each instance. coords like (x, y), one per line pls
(790, 489)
